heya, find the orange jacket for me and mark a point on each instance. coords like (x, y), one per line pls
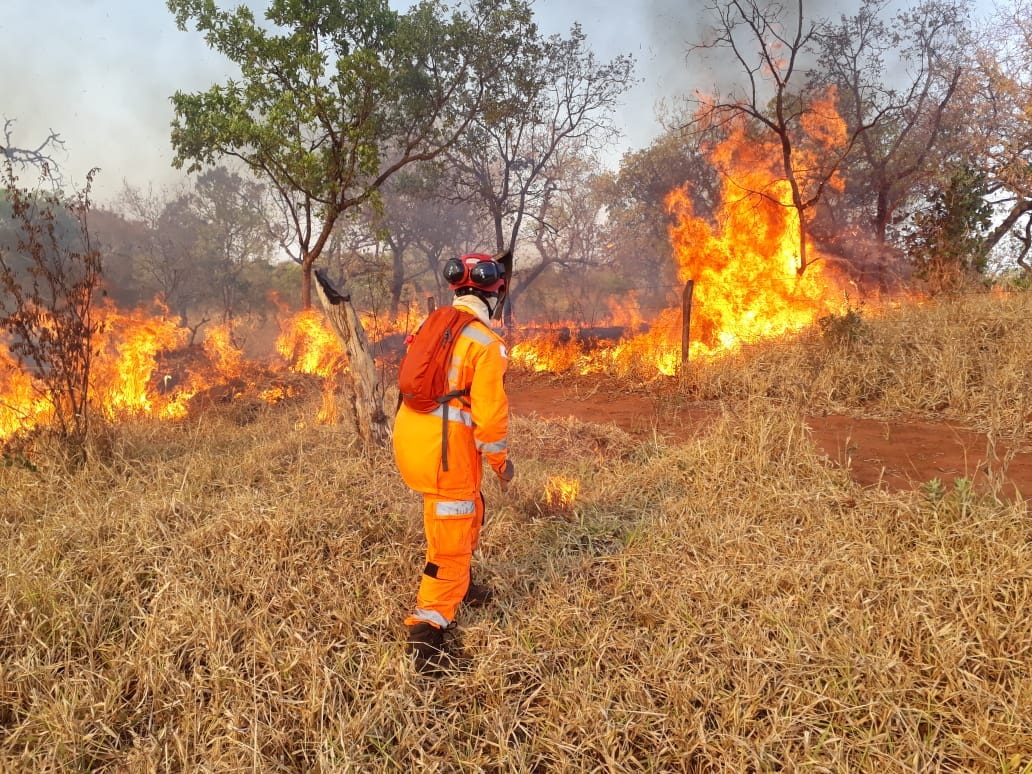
(477, 424)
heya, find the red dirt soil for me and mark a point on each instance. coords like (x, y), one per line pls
(898, 455)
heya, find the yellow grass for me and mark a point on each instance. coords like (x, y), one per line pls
(226, 594)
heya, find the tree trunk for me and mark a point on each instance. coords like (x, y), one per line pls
(373, 424)
(306, 281)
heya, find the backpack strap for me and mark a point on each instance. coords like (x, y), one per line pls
(445, 400)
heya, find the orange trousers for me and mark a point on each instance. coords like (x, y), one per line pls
(452, 530)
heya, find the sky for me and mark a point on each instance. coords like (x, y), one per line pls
(100, 74)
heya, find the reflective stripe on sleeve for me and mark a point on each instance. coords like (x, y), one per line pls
(494, 446)
(454, 415)
(454, 508)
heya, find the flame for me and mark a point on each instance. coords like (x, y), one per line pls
(561, 492)
(21, 403)
(127, 359)
(308, 345)
(743, 264)
(144, 366)
(747, 285)
(311, 347)
(223, 352)
(745, 268)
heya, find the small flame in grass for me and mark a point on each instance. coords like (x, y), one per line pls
(561, 492)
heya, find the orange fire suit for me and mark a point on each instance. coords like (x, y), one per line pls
(453, 508)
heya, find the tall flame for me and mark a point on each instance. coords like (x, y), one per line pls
(21, 404)
(127, 359)
(747, 284)
(308, 344)
(744, 267)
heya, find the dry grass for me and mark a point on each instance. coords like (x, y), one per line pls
(968, 360)
(226, 594)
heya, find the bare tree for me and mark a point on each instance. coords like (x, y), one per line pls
(771, 45)
(40, 156)
(899, 77)
(168, 255)
(420, 219)
(555, 96)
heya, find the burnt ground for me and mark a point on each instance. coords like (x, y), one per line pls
(896, 454)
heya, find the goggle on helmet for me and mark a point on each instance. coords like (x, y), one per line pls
(475, 270)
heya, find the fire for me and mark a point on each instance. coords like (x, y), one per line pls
(223, 352)
(745, 269)
(308, 344)
(311, 347)
(21, 404)
(561, 492)
(744, 266)
(127, 359)
(747, 285)
(144, 366)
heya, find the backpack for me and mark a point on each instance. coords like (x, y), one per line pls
(423, 374)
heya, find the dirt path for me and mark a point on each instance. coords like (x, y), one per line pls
(898, 455)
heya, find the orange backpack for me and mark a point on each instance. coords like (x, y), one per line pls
(423, 374)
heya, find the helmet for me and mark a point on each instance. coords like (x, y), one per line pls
(477, 271)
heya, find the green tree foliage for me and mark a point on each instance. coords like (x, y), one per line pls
(233, 234)
(162, 252)
(947, 234)
(998, 107)
(334, 97)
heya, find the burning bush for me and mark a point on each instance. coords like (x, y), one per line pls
(49, 276)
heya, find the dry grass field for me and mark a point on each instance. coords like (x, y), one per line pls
(225, 593)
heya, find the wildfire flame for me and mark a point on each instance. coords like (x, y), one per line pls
(746, 269)
(561, 492)
(743, 264)
(20, 403)
(308, 344)
(132, 376)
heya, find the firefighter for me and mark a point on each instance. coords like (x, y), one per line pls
(472, 430)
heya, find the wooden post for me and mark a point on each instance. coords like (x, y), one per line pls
(686, 319)
(431, 304)
(373, 423)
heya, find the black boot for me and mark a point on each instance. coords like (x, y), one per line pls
(426, 643)
(478, 595)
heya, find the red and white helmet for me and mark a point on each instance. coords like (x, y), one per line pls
(478, 271)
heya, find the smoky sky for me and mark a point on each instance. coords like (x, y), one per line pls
(101, 73)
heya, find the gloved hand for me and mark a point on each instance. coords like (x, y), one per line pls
(506, 475)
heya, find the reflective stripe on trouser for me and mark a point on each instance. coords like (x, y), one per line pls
(452, 531)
